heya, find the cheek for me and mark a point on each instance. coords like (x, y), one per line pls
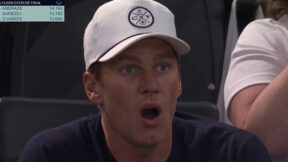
(171, 92)
(172, 85)
(117, 94)
(118, 106)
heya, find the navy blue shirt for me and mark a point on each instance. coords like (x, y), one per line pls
(195, 139)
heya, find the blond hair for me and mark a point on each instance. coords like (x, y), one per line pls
(275, 9)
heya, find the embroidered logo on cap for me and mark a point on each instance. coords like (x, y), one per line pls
(141, 17)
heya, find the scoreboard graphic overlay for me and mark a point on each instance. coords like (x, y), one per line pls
(32, 11)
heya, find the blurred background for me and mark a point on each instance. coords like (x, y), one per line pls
(44, 60)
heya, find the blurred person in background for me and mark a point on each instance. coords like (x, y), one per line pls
(256, 87)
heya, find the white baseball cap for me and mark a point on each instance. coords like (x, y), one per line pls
(118, 24)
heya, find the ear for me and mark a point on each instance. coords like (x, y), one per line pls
(92, 88)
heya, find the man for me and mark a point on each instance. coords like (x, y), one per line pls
(133, 74)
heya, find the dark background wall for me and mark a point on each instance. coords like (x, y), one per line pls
(45, 60)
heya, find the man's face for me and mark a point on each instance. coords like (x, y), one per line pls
(138, 92)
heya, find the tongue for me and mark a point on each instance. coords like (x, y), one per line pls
(150, 114)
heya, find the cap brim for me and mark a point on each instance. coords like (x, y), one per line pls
(178, 45)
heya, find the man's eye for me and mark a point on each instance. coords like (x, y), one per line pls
(128, 70)
(162, 68)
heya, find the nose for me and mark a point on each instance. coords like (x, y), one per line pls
(149, 83)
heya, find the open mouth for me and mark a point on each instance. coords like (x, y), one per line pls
(150, 113)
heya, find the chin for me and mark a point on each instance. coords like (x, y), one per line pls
(150, 141)
(148, 144)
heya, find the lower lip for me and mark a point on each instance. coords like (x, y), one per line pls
(151, 122)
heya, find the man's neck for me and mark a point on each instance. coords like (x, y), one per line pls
(123, 151)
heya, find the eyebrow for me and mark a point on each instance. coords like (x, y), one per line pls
(165, 55)
(125, 57)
